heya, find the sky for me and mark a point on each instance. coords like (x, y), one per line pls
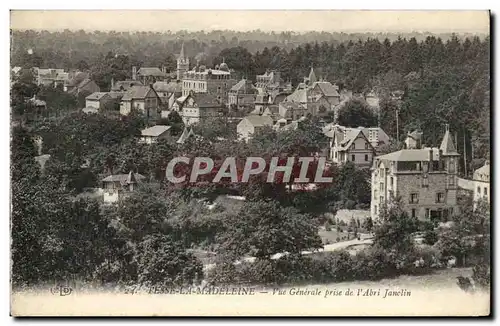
(284, 20)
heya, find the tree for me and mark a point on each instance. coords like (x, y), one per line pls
(163, 262)
(368, 224)
(175, 121)
(264, 228)
(356, 113)
(393, 233)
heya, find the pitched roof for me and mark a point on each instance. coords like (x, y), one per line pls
(299, 95)
(185, 135)
(155, 131)
(312, 77)
(482, 171)
(125, 85)
(136, 92)
(77, 79)
(259, 121)
(205, 100)
(327, 88)
(116, 95)
(417, 135)
(239, 85)
(447, 145)
(151, 71)
(96, 96)
(168, 87)
(411, 155)
(350, 137)
(124, 178)
(181, 55)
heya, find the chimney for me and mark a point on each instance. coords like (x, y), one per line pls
(164, 70)
(431, 159)
(112, 82)
(134, 73)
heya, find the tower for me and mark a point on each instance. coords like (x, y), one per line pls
(448, 155)
(182, 63)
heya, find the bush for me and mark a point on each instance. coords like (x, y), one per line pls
(481, 275)
(430, 237)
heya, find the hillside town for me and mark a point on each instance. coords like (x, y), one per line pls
(406, 183)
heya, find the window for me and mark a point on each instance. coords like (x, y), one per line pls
(485, 191)
(381, 186)
(440, 197)
(353, 145)
(452, 167)
(479, 190)
(375, 209)
(381, 199)
(353, 157)
(414, 198)
(366, 157)
(413, 213)
(367, 146)
(425, 182)
(392, 181)
(427, 213)
(335, 154)
(451, 181)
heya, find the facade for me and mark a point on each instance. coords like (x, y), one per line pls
(424, 180)
(358, 145)
(318, 97)
(54, 77)
(116, 187)
(97, 100)
(216, 82)
(271, 82)
(168, 92)
(152, 134)
(242, 94)
(193, 108)
(141, 98)
(481, 179)
(251, 124)
(413, 140)
(291, 111)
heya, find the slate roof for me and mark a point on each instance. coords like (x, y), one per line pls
(96, 96)
(151, 71)
(259, 121)
(411, 155)
(447, 145)
(136, 92)
(168, 87)
(125, 85)
(327, 88)
(155, 131)
(185, 135)
(124, 178)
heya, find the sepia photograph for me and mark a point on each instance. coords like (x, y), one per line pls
(250, 163)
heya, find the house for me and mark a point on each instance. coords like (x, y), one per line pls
(141, 98)
(291, 110)
(271, 82)
(350, 144)
(242, 94)
(481, 179)
(216, 82)
(85, 86)
(168, 92)
(413, 140)
(425, 181)
(373, 100)
(149, 75)
(54, 77)
(97, 100)
(251, 124)
(152, 134)
(39, 105)
(117, 186)
(193, 108)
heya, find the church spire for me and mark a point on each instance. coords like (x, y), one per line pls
(312, 76)
(447, 145)
(181, 55)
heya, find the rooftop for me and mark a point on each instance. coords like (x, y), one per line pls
(155, 131)
(96, 96)
(136, 92)
(411, 155)
(259, 121)
(151, 71)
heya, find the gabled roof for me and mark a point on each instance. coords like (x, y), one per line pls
(350, 137)
(154, 131)
(96, 96)
(312, 77)
(77, 79)
(125, 85)
(299, 95)
(116, 95)
(137, 92)
(185, 135)
(416, 135)
(151, 71)
(181, 55)
(124, 178)
(447, 145)
(259, 121)
(327, 88)
(483, 171)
